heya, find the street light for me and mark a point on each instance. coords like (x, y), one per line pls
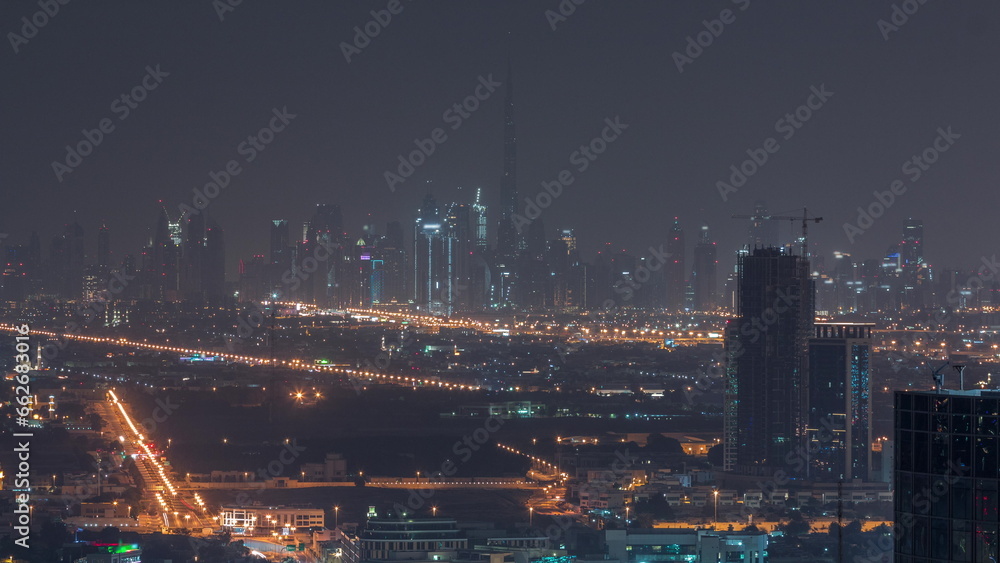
(434, 510)
(715, 492)
(336, 517)
(531, 512)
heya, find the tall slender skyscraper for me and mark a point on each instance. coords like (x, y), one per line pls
(507, 236)
(280, 243)
(392, 251)
(674, 269)
(703, 275)
(428, 256)
(214, 263)
(104, 246)
(767, 391)
(763, 233)
(481, 225)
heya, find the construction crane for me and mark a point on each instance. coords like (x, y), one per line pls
(805, 218)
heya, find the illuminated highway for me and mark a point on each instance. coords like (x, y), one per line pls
(571, 331)
(177, 509)
(296, 364)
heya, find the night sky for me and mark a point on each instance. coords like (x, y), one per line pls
(608, 59)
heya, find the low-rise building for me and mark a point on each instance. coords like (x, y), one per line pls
(263, 520)
(643, 545)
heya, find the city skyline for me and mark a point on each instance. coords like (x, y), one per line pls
(500, 281)
(317, 164)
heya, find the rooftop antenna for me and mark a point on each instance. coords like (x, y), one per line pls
(939, 377)
(960, 368)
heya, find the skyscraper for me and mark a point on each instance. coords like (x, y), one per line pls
(946, 476)
(703, 274)
(193, 258)
(392, 251)
(460, 244)
(480, 221)
(674, 269)
(214, 263)
(507, 235)
(326, 228)
(914, 275)
(104, 246)
(911, 249)
(280, 242)
(767, 349)
(428, 256)
(763, 233)
(839, 429)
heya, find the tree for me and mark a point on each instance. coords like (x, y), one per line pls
(796, 525)
(659, 443)
(715, 455)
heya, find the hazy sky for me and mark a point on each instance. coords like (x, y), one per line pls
(606, 60)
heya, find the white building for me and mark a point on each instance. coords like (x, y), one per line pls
(664, 544)
(262, 520)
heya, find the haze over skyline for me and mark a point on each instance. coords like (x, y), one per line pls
(353, 119)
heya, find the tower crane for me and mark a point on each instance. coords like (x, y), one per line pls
(805, 218)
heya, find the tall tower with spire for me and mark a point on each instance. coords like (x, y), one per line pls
(674, 270)
(507, 235)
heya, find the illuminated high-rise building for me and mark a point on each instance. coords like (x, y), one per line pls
(911, 249)
(703, 273)
(480, 221)
(392, 252)
(840, 430)
(767, 391)
(429, 262)
(504, 275)
(214, 263)
(507, 234)
(280, 243)
(674, 268)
